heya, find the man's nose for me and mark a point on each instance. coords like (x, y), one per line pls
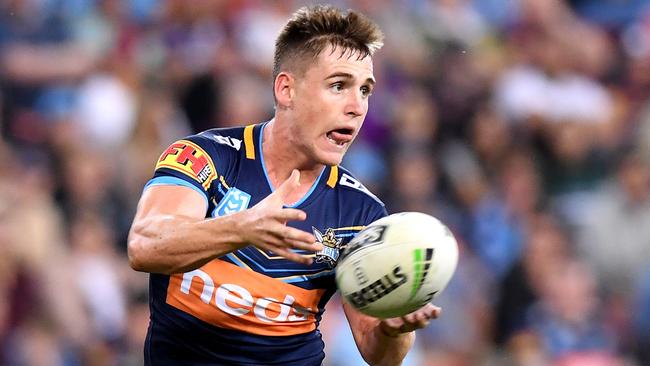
(355, 104)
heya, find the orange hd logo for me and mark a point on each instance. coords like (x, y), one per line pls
(228, 296)
(190, 159)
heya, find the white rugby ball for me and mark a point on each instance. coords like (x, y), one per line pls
(397, 264)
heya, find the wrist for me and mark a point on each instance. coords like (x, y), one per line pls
(231, 229)
(240, 226)
(387, 331)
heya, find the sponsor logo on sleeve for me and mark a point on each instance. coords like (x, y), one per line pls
(190, 159)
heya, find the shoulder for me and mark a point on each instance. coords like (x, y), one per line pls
(200, 158)
(219, 145)
(353, 187)
(223, 138)
(214, 140)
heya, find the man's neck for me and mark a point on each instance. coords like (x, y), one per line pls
(280, 158)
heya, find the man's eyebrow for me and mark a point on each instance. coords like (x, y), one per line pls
(346, 75)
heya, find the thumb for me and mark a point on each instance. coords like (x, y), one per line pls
(289, 185)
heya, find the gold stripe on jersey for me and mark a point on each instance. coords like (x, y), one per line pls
(334, 176)
(242, 263)
(248, 142)
(275, 257)
(238, 261)
(357, 228)
(223, 181)
(304, 276)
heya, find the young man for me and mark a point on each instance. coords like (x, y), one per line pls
(225, 226)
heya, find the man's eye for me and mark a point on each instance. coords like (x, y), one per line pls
(366, 91)
(337, 87)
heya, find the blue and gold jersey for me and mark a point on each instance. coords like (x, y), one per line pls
(250, 306)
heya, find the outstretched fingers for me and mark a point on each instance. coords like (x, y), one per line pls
(421, 317)
(290, 214)
(292, 237)
(311, 247)
(269, 229)
(416, 320)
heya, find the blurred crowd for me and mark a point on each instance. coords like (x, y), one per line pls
(522, 124)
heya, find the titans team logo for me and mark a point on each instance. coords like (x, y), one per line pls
(331, 246)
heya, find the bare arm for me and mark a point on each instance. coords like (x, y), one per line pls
(170, 233)
(386, 342)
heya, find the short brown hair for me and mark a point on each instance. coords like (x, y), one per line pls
(311, 29)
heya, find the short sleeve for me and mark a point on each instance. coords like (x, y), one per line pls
(188, 162)
(377, 212)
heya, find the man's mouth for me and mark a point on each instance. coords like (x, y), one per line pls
(340, 136)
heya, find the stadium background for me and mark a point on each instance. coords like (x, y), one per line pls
(523, 124)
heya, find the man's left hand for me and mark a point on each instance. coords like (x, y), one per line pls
(418, 319)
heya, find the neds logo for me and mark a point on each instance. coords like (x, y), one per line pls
(238, 301)
(228, 296)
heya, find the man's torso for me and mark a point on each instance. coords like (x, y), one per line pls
(250, 306)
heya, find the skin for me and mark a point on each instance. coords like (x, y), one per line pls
(331, 95)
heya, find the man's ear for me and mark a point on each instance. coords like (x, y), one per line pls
(283, 88)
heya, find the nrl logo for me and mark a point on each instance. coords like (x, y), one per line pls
(331, 246)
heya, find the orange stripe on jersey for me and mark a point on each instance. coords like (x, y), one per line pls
(228, 296)
(248, 142)
(334, 176)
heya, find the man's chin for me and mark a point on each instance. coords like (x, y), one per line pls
(331, 159)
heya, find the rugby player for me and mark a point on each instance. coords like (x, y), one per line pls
(241, 228)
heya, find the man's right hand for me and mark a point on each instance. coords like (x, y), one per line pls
(265, 225)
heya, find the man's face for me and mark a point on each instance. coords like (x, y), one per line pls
(330, 104)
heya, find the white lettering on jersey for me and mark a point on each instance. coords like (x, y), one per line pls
(227, 140)
(348, 181)
(262, 304)
(238, 301)
(301, 314)
(241, 297)
(208, 284)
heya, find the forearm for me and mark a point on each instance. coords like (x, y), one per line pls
(386, 342)
(173, 244)
(380, 349)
